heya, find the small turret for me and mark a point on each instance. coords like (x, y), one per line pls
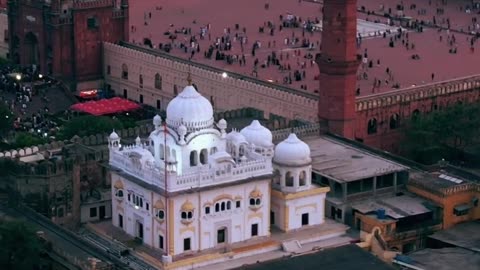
(113, 141)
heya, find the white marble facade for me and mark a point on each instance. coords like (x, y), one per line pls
(191, 186)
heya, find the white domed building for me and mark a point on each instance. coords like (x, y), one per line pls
(191, 186)
(296, 202)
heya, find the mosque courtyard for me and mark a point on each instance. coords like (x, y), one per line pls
(419, 56)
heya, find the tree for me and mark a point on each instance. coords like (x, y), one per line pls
(6, 120)
(443, 134)
(87, 125)
(19, 246)
(24, 139)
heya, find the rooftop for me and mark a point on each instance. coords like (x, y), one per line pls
(444, 259)
(439, 182)
(345, 163)
(349, 257)
(158, 22)
(464, 235)
(395, 207)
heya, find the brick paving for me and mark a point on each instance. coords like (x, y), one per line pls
(170, 15)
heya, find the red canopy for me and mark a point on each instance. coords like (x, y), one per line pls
(106, 106)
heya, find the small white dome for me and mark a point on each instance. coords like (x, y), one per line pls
(236, 138)
(114, 136)
(292, 151)
(191, 109)
(257, 134)
(157, 120)
(222, 124)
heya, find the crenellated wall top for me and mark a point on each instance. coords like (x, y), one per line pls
(416, 93)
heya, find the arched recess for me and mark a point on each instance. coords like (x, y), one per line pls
(158, 81)
(302, 178)
(204, 156)
(125, 71)
(415, 114)
(394, 121)
(32, 53)
(372, 126)
(193, 158)
(289, 179)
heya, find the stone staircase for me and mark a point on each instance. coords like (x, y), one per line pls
(291, 246)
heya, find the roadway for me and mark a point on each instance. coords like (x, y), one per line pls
(82, 247)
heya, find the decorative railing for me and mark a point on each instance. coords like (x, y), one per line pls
(301, 132)
(196, 177)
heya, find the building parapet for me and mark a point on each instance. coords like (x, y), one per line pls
(428, 229)
(82, 4)
(301, 132)
(443, 192)
(417, 93)
(200, 176)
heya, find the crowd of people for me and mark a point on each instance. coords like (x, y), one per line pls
(23, 93)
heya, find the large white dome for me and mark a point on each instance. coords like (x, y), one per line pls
(292, 151)
(257, 134)
(191, 109)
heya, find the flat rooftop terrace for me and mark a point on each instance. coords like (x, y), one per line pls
(154, 19)
(345, 163)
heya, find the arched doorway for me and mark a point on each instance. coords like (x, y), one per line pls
(32, 53)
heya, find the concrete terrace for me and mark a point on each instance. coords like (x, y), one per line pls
(329, 234)
(169, 15)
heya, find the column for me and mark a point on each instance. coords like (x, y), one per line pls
(374, 185)
(395, 182)
(344, 187)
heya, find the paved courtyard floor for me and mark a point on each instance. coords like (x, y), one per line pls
(154, 19)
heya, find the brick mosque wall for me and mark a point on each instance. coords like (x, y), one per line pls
(234, 92)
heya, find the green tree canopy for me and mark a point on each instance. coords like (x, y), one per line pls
(24, 139)
(443, 134)
(19, 246)
(87, 125)
(6, 119)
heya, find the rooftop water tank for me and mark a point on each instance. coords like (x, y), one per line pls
(381, 213)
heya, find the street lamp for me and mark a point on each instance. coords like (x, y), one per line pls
(18, 77)
(40, 76)
(224, 75)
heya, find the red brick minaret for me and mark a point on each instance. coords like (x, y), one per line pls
(338, 65)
